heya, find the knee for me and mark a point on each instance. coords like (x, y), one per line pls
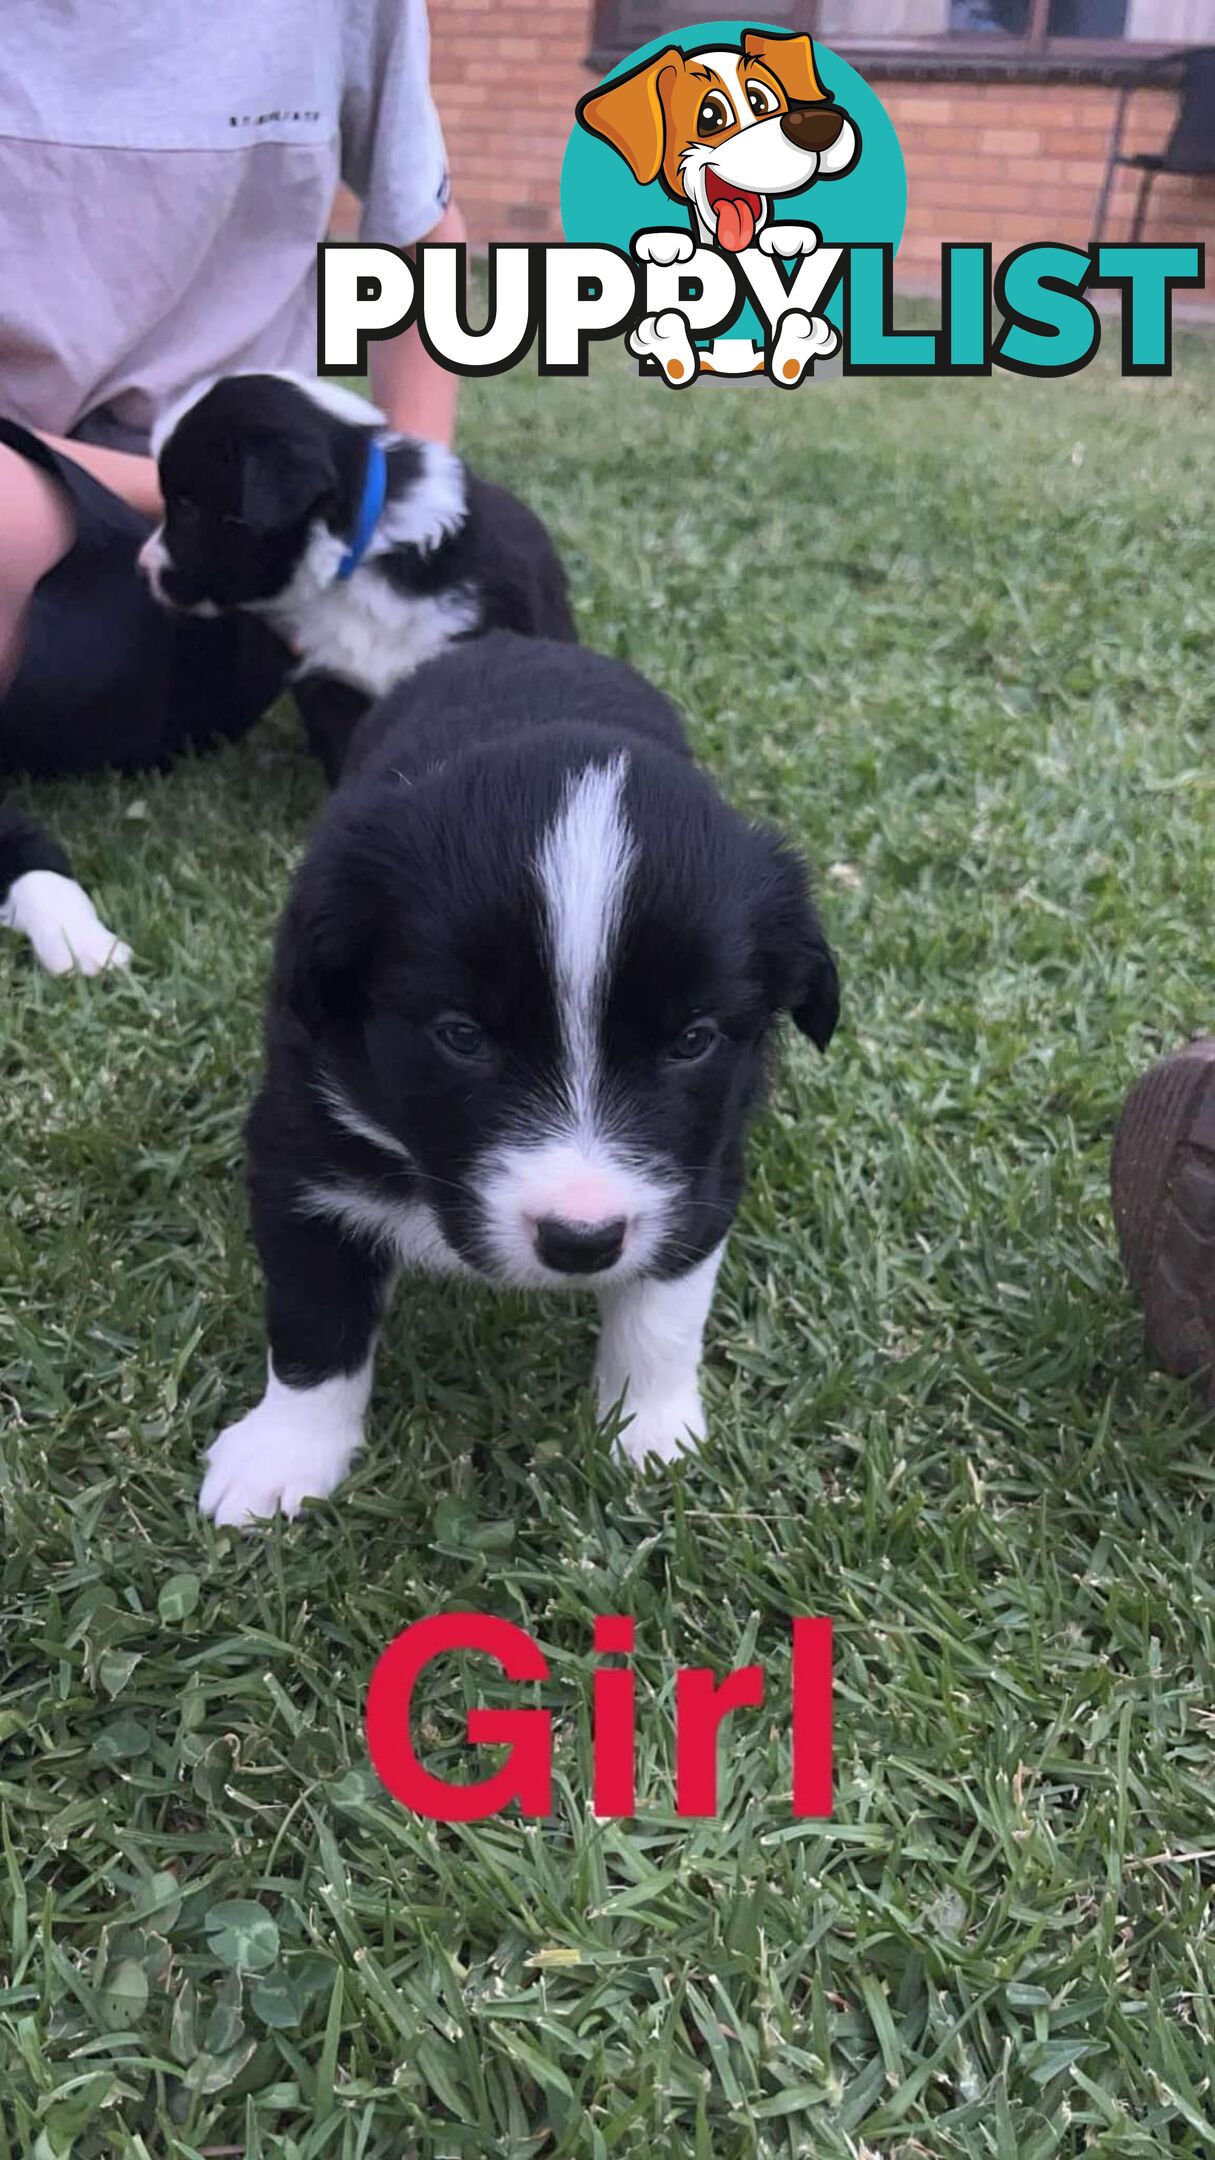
(36, 530)
(36, 522)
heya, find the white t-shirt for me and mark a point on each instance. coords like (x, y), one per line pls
(167, 168)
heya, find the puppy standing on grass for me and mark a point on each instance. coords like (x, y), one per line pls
(525, 990)
(367, 552)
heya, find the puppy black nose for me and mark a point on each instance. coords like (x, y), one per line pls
(812, 127)
(578, 1248)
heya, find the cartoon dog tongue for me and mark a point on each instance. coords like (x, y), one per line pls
(735, 223)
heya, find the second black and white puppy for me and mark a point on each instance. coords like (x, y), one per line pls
(367, 552)
(525, 990)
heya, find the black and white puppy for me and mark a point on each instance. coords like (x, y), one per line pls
(525, 989)
(367, 552)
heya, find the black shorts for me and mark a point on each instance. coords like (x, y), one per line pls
(107, 677)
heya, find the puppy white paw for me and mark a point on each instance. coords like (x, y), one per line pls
(665, 338)
(662, 1429)
(664, 247)
(276, 1457)
(62, 925)
(788, 239)
(800, 340)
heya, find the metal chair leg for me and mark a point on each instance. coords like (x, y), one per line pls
(1141, 203)
(1113, 157)
(1103, 202)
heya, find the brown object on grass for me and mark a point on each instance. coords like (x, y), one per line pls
(1162, 1181)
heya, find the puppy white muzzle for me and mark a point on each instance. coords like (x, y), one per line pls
(153, 561)
(558, 1210)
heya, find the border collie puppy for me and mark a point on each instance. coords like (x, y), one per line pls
(365, 551)
(525, 989)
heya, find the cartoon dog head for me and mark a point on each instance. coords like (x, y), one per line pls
(725, 129)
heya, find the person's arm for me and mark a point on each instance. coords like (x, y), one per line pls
(132, 477)
(416, 394)
(394, 160)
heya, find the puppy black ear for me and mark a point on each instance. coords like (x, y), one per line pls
(818, 1010)
(328, 939)
(280, 485)
(798, 963)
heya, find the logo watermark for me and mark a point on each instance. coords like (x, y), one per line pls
(732, 198)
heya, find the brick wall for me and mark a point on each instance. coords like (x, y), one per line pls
(506, 80)
(1012, 162)
(1006, 162)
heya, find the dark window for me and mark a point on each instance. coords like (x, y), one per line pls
(1007, 18)
(620, 26)
(1028, 18)
(1087, 18)
(961, 33)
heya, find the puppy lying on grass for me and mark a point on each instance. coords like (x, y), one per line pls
(525, 990)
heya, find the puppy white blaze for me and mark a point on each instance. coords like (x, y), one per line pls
(575, 1165)
(583, 867)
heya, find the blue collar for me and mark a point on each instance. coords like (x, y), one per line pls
(375, 488)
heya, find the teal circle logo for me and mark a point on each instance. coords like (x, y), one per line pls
(717, 143)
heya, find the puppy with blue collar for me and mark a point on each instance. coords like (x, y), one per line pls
(365, 551)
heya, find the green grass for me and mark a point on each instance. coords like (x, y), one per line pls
(957, 639)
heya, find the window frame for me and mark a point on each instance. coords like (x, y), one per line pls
(1035, 38)
(607, 46)
(990, 55)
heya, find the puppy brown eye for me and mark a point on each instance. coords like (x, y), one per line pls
(695, 1042)
(761, 99)
(714, 115)
(461, 1038)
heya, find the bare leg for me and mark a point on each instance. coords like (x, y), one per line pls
(36, 530)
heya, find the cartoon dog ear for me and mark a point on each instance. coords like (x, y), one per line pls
(629, 112)
(791, 60)
(798, 964)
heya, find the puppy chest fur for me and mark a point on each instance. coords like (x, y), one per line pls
(367, 633)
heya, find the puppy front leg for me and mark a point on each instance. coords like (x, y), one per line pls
(41, 900)
(649, 1360)
(325, 1296)
(331, 711)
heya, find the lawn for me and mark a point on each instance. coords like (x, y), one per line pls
(957, 638)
